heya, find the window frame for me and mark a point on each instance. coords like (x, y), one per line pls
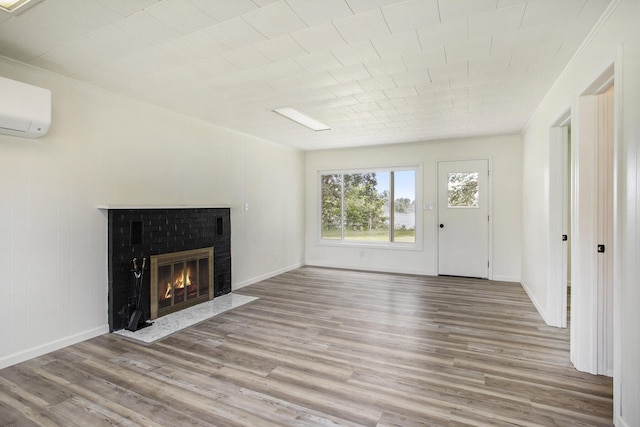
(390, 244)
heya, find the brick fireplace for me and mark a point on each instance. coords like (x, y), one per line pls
(156, 233)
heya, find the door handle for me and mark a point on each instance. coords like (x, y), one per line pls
(441, 225)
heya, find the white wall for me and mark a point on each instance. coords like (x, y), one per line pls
(106, 149)
(616, 41)
(505, 156)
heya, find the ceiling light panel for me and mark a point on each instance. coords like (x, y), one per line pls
(302, 119)
(16, 6)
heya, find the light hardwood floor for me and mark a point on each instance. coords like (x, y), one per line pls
(326, 347)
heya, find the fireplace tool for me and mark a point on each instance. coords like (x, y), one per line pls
(138, 319)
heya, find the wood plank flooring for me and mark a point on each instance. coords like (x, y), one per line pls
(325, 347)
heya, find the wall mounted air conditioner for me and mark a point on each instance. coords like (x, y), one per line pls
(25, 110)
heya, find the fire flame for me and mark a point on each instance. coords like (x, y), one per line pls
(178, 283)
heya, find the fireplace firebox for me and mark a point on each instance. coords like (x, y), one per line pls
(180, 280)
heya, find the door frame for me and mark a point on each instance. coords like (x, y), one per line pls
(586, 305)
(559, 170)
(488, 159)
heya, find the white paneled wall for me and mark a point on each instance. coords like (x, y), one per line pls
(616, 41)
(104, 149)
(505, 157)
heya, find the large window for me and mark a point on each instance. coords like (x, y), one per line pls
(372, 206)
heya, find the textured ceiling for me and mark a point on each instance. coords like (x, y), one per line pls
(376, 71)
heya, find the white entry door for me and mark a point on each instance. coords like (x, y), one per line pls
(463, 218)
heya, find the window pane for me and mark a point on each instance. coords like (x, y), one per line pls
(331, 206)
(463, 189)
(365, 197)
(404, 213)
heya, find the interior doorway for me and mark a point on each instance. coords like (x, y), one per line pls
(560, 183)
(592, 228)
(604, 226)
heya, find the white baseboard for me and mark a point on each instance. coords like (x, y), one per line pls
(373, 270)
(262, 277)
(499, 278)
(535, 302)
(619, 422)
(25, 355)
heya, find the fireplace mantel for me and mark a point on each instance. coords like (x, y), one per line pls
(205, 206)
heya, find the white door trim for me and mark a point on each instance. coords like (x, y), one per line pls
(586, 305)
(557, 255)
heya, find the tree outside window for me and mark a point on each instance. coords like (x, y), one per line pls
(361, 206)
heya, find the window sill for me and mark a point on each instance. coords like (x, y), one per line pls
(362, 245)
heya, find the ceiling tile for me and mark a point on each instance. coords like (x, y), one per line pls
(448, 71)
(178, 54)
(282, 69)
(489, 65)
(362, 27)
(441, 34)
(247, 57)
(452, 9)
(546, 12)
(384, 66)
(222, 10)
(167, 78)
(451, 93)
(401, 92)
(79, 55)
(31, 34)
(320, 37)
(199, 44)
(20, 40)
(369, 97)
(262, 3)
(314, 12)
(274, 20)
(411, 78)
(147, 28)
(355, 53)
(517, 41)
(346, 89)
(426, 58)
(394, 45)
(91, 12)
(350, 73)
(411, 14)
(433, 87)
(140, 64)
(128, 7)
(235, 33)
(118, 39)
(507, 3)
(280, 48)
(318, 80)
(318, 61)
(377, 83)
(498, 21)
(181, 15)
(359, 6)
(472, 49)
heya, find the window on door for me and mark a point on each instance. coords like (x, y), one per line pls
(374, 206)
(462, 189)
